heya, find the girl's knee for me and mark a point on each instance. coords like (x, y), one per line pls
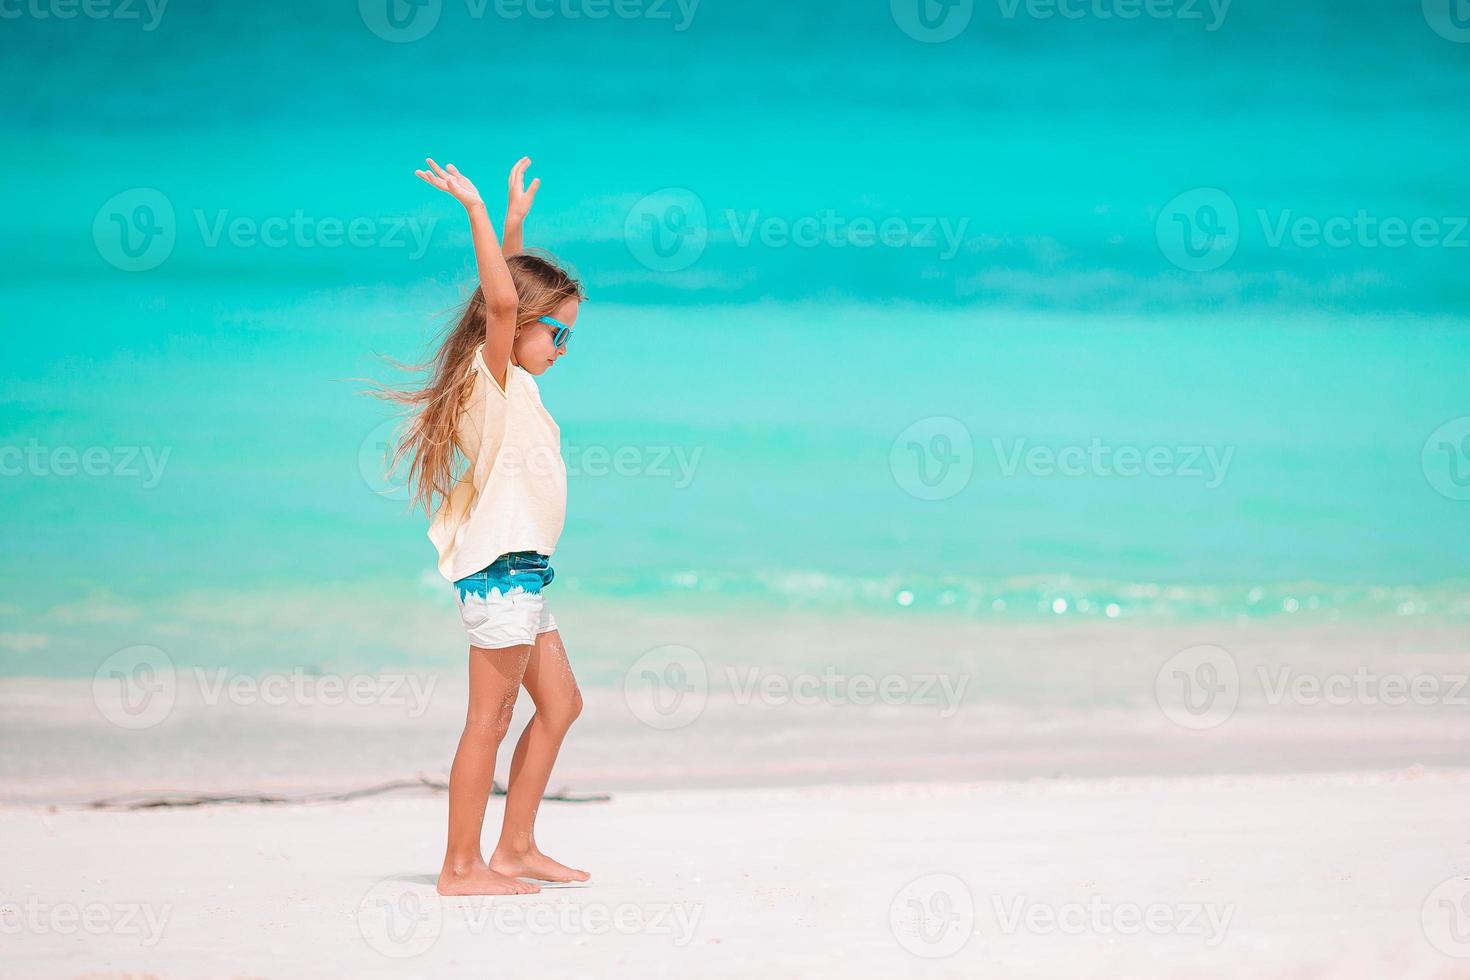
(488, 726)
(561, 715)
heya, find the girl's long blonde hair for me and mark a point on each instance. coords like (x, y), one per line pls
(428, 440)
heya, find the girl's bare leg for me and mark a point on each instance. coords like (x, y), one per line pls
(495, 680)
(553, 689)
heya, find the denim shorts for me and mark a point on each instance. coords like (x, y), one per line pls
(501, 605)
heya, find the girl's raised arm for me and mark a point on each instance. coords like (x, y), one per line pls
(501, 301)
(518, 205)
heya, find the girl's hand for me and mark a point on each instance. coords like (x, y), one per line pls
(521, 196)
(452, 182)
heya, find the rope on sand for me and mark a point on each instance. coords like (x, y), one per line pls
(214, 799)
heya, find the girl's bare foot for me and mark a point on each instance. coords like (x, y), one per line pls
(480, 879)
(533, 864)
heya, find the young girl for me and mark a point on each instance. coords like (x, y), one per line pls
(495, 527)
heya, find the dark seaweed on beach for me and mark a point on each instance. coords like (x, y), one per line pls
(393, 786)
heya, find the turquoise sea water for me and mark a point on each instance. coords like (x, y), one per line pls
(872, 318)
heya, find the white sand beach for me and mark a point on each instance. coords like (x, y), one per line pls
(1261, 876)
(1042, 810)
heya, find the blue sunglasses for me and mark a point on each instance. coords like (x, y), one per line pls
(563, 332)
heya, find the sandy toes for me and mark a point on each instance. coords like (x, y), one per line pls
(534, 864)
